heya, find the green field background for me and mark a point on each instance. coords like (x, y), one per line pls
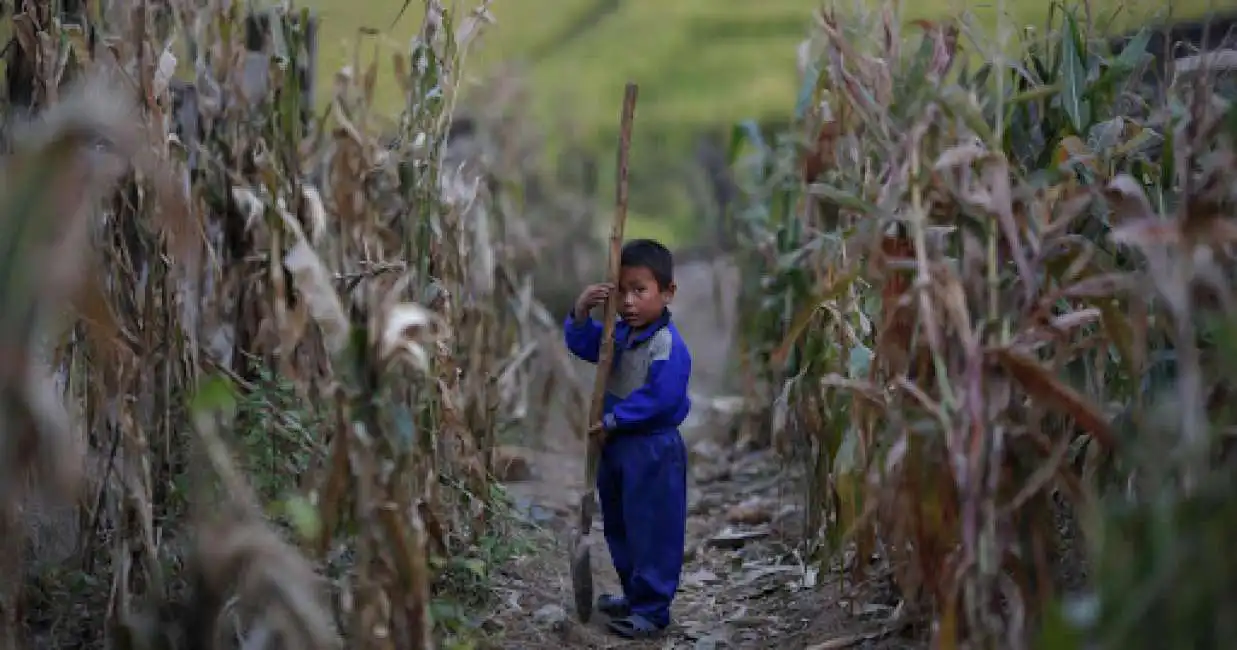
(702, 65)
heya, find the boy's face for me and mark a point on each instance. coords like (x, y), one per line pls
(642, 300)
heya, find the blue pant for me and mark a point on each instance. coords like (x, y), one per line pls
(642, 486)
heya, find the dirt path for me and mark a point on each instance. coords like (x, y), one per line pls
(744, 583)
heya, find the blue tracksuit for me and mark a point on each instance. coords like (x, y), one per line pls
(642, 477)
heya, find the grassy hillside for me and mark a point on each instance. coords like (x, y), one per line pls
(698, 61)
(701, 64)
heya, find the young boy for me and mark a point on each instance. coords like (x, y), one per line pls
(642, 477)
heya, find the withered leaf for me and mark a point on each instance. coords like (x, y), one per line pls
(1128, 201)
(1042, 386)
(313, 282)
(406, 328)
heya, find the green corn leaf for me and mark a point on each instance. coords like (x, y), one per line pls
(1073, 78)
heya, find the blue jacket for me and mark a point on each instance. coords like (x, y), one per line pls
(647, 388)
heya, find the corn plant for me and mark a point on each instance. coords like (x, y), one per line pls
(261, 242)
(965, 331)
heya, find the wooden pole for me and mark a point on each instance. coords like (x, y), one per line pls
(581, 562)
(606, 356)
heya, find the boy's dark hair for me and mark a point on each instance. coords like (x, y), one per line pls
(652, 256)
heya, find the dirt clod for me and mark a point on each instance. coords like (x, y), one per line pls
(512, 464)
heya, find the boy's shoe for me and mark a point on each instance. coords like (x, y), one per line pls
(634, 627)
(613, 606)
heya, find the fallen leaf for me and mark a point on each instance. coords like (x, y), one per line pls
(733, 539)
(700, 578)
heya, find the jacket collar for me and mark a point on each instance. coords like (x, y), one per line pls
(631, 338)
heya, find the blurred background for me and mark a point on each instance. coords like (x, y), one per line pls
(703, 66)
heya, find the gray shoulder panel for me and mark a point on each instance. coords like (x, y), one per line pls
(661, 344)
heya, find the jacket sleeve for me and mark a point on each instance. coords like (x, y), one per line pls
(664, 391)
(583, 338)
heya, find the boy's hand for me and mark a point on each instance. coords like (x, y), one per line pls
(593, 295)
(596, 431)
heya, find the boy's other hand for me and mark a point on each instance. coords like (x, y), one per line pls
(593, 295)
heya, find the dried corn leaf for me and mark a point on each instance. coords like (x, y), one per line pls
(1039, 383)
(1128, 201)
(406, 328)
(47, 194)
(275, 584)
(316, 286)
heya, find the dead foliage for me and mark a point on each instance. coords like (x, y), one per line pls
(210, 230)
(998, 313)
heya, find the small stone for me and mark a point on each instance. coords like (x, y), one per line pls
(540, 515)
(552, 616)
(751, 554)
(707, 451)
(752, 512)
(706, 474)
(511, 464)
(533, 513)
(700, 578)
(713, 642)
(705, 504)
